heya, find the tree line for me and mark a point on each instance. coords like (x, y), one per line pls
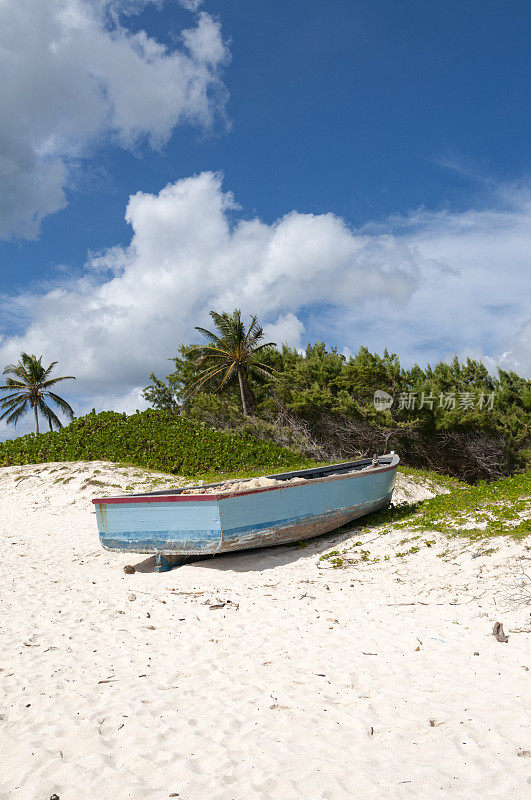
(453, 417)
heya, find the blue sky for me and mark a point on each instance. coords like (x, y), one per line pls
(352, 160)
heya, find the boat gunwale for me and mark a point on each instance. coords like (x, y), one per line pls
(188, 498)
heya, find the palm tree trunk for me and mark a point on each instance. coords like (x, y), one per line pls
(242, 392)
(36, 418)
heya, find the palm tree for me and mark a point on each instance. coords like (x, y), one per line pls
(28, 389)
(231, 354)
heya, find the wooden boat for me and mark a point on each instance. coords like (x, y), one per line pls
(182, 523)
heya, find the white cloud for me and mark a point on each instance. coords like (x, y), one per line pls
(191, 5)
(426, 286)
(288, 329)
(518, 357)
(475, 283)
(127, 403)
(72, 73)
(112, 329)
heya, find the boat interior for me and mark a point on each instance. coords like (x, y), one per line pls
(363, 464)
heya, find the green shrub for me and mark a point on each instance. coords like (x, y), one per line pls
(156, 440)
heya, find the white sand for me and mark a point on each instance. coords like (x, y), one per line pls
(311, 683)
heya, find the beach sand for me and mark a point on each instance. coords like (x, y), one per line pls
(263, 674)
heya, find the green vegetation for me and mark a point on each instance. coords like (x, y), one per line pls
(454, 418)
(30, 388)
(479, 512)
(486, 509)
(156, 440)
(230, 356)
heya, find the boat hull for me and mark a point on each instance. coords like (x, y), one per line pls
(191, 525)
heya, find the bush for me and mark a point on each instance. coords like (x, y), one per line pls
(153, 439)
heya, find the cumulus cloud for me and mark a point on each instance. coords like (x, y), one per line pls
(425, 286)
(127, 403)
(518, 357)
(72, 73)
(134, 305)
(474, 286)
(288, 329)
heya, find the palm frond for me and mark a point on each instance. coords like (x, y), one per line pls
(211, 371)
(226, 322)
(264, 370)
(202, 380)
(28, 383)
(11, 402)
(230, 326)
(11, 383)
(230, 374)
(14, 396)
(10, 407)
(65, 407)
(254, 331)
(210, 335)
(15, 413)
(263, 346)
(49, 369)
(205, 349)
(18, 370)
(33, 367)
(48, 414)
(45, 384)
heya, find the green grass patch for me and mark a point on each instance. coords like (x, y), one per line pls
(486, 509)
(473, 512)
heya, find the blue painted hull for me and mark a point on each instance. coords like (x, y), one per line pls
(171, 524)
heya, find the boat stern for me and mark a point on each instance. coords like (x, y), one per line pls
(151, 527)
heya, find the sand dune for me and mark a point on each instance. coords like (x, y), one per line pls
(265, 674)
